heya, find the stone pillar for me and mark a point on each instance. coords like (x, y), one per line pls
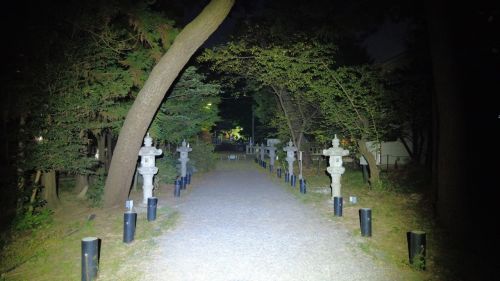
(148, 168)
(335, 165)
(272, 154)
(249, 147)
(184, 149)
(262, 150)
(290, 156)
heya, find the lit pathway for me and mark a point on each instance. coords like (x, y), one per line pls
(237, 225)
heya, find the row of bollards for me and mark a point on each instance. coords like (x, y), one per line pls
(292, 179)
(416, 239)
(91, 245)
(180, 184)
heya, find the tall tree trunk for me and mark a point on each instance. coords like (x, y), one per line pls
(82, 185)
(5, 140)
(109, 150)
(49, 193)
(451, 134)
(151, 95)
(372, 162)
(34, 192)
(101, 146)
(20, 161)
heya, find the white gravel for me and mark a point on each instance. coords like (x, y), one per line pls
(237, 225)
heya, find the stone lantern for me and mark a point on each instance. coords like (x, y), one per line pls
(249, 147)
(290, 156)
(262, 152)
(148, 168)
(272, 156)
(336, 170)
(184, 149)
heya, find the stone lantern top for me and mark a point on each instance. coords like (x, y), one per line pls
(147, 149)
(148, 153)
(335, 153)
(290, 147)
(185, 147)
(290, 150)
(148, 141)
(335, 141)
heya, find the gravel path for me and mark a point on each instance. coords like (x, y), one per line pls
(237, 225)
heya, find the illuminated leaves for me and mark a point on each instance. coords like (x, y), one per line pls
(189, 109)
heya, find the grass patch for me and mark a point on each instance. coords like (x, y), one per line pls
(398, 207)
(54, 252)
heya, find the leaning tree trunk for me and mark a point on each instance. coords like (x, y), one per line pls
(151, 95)
(372, 162)
(49, 193)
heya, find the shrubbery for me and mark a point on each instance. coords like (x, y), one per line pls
(33, 220)
(203, 158)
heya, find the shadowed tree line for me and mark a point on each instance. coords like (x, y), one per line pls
(67, 98)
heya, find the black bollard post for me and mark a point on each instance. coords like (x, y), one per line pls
(293, 180)
(278, 172)
(302, 184)
(256, 160)
(177, 190)
(152, 203)
(188, 178)
(416, 248)
(183, 182)
(337, 206)
(287, 176)
(90, 258)
(365, 221)
(264, 164)
(129, 220)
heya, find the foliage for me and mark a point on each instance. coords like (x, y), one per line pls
(286, 70)
(303, 74)
(203, 158)
(190, 108)
(89, 85)
(31, 221)
(96, 189)
(316, 97)
(166, 169)
(353, 99)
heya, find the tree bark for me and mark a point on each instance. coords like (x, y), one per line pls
(82, 183)
(109, 150)
(21, 181)
(101, 146)
(151, 95)
(372, 162)
(49, 183)
(450, 123)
